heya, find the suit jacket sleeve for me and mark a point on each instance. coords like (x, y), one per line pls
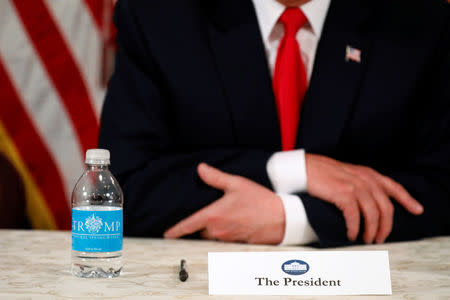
(158, 177)
(426, 176)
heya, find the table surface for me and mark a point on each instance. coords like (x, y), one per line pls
(36, 265)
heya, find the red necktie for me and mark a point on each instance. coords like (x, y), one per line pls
(289, 81)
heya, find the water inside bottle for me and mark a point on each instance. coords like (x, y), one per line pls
(97, 264)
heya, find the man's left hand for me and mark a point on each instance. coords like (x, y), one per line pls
(247, 212)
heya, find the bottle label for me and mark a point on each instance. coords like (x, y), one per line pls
(97, 230)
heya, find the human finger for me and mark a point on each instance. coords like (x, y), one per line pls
(369, 211)
(189, 225)
(214, 177)
(348, 204)
(207, 235)
(386, 211)
(384, 204)
(401, 195)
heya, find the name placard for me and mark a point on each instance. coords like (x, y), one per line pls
(299, 273)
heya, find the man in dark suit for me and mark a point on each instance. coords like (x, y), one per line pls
(336, 112)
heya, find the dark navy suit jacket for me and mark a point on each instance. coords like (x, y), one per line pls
(192, 85)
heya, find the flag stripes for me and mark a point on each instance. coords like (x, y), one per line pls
(37, 159)
(96, 9)
(61, 69)
(79, 29)
(42, 104)
(51, 96)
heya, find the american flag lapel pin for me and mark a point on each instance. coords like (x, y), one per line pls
(352, 54)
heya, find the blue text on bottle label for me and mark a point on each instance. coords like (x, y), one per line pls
(97, 231)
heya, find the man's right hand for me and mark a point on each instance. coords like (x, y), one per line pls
(357, 189)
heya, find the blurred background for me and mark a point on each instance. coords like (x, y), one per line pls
(55, 60)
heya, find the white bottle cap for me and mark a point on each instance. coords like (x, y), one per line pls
(97, 157)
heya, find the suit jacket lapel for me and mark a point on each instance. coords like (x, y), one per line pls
(239, 52)
(335, 82)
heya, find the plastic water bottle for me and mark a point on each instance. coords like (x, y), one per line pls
(97, 220)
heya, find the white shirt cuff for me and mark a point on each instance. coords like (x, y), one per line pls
(287, 171)
(297, 230)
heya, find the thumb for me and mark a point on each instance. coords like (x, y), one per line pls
(214, 177)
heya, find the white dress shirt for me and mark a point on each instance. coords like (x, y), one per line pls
(287, 169)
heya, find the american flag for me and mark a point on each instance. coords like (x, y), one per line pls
(54, 57)
(353, 54)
